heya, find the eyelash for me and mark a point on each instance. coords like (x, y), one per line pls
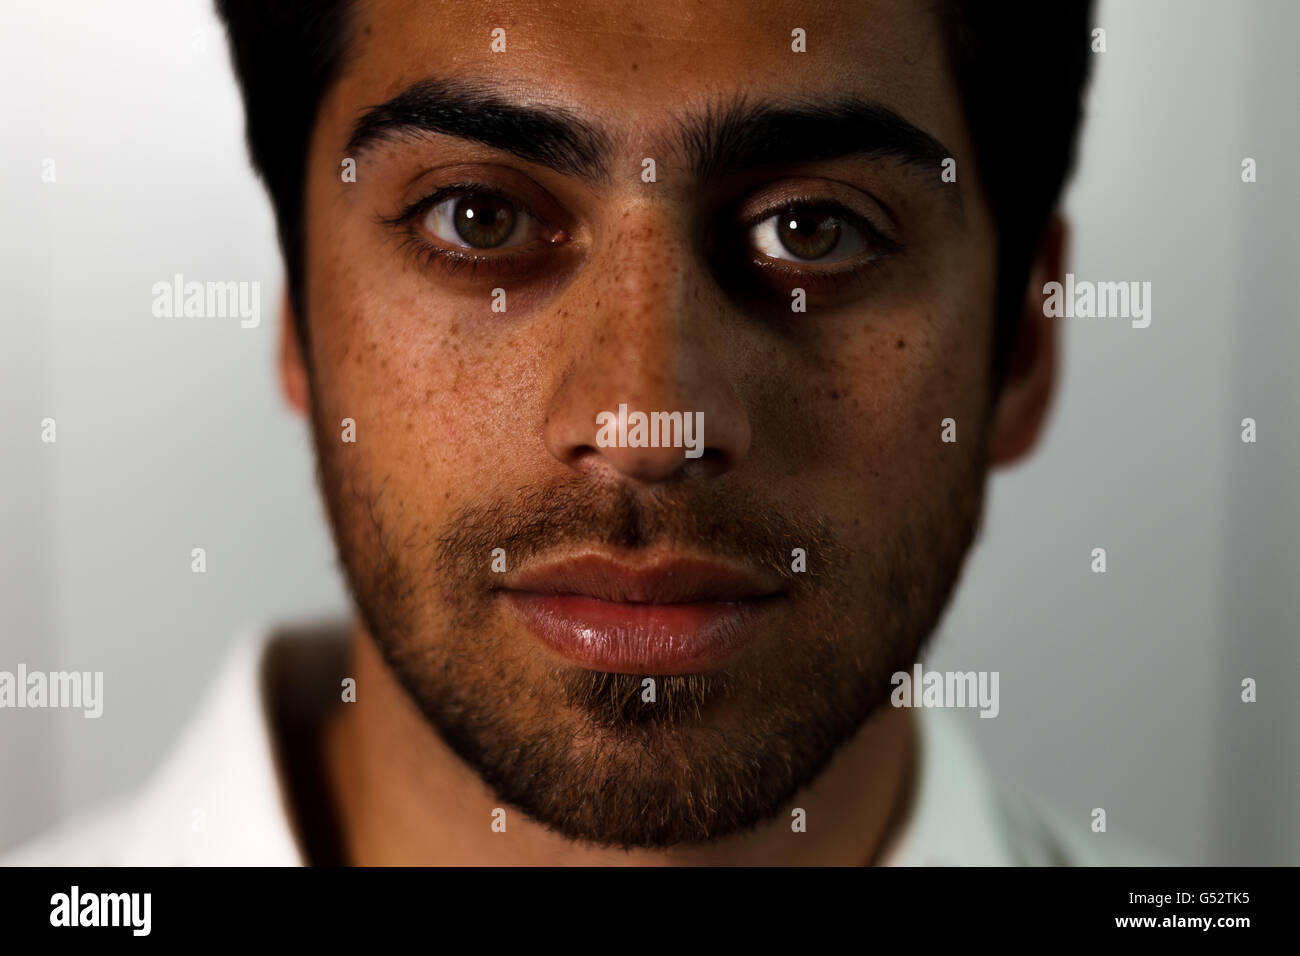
(453, 261)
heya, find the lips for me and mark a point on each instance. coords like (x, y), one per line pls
(669, 615)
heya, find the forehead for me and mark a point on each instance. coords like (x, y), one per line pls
(632, 65)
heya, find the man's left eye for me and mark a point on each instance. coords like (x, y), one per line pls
(807, 234)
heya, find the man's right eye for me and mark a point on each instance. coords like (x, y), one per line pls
(480, 221)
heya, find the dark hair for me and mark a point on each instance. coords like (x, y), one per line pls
(1021, 67)
(286, 54)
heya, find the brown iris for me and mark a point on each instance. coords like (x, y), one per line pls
(808, 233)
(483, 221)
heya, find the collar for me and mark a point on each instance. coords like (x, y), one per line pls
(220, 799)
(956, 813)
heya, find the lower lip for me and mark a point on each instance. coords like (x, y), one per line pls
(627, 638)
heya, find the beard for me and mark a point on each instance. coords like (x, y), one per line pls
(579, 750)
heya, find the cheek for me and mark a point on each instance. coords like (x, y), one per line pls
(868, 426)
(436, 388)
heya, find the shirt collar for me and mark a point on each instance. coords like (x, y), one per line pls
(224, 801)
(955, 817)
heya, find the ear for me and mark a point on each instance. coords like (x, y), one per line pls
(293, 366)
(1030, 379)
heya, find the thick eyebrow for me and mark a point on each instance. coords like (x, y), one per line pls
(549, 136)
(722, 140)
(717, 142)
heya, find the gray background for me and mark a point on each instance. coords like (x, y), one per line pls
(1118, 690)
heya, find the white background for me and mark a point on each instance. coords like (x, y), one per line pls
(1118, 691)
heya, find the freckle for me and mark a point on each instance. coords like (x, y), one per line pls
(835, 395)
(428, 394)
(900, 343)
(446, 495)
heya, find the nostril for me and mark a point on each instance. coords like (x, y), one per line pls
(713, 462)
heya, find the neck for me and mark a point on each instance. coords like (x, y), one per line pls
(404, 798)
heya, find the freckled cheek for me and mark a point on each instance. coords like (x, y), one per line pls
(938, 385)
(439, 379)
(884, 406)
(428, 389)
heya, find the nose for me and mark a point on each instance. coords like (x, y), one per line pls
(646, 394)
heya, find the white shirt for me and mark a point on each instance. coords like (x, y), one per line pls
(219, 798)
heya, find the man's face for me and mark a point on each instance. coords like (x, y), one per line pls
(771, 583)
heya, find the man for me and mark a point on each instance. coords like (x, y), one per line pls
(655, 357)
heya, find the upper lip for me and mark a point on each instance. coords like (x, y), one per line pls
(678, 579)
